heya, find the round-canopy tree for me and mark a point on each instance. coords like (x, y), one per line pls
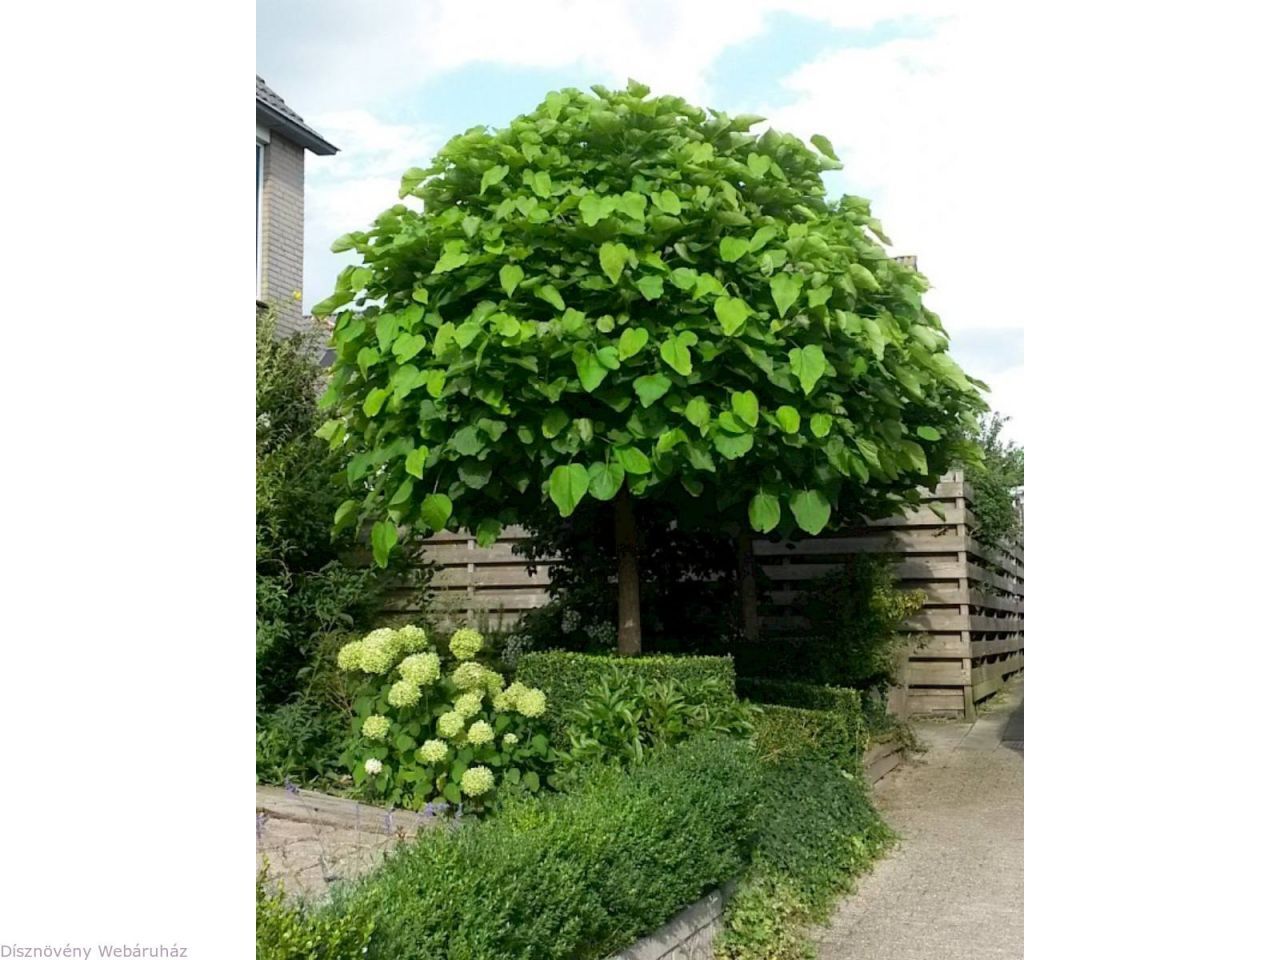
(627, 298)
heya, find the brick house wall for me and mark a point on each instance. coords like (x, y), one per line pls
(282, 208)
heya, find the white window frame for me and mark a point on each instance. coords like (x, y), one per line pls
(263, 138)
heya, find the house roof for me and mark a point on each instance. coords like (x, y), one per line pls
(275, 114)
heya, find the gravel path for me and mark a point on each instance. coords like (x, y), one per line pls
(953, 887)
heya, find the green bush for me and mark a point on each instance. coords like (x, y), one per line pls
(792, 733)
(849, 703)
(625, 715)
(567, 676)
(819, 831)
(289, 931)
(575, 875)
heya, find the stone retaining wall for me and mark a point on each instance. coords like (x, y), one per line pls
(688, 936)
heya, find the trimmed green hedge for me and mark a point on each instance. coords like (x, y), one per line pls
(847, 702)
(793, 733)
(566, 676)
(825, 833)
(576, 875)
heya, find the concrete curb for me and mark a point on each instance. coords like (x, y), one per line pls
(689, 935)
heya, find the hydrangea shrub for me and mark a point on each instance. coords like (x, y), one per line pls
(426, 731)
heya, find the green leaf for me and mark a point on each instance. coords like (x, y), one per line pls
(605, 479)
(670, 438)
(408, 346)
(491, 176)
(595, 208)
(435, 382)
(452, 792)
(732, 313)
(436, 510)
(708, 284)
(384, 537)
(698, 412)
(868, 451)
(550, 294)
(553, 422)
(763, 236)
(613, 257)
(510, 277)
(633, 204)
(758, 165)
(451, 260)
(608, 357)
(386, 328)
(819, 296)
(531, 781)
(474, 473)
(632, 460)
(789, 419)
(590, 370)
(467, 441)
(329, 429)
(652, 388)
(733, 446)
(733, 248)
(667, 202)
(487, 533)
(916, 454)
(568, 487)
(374, 400)
(811, 509)
(541, 184)
(785, 289)
(746, 406)
(632, 341)
(928, 433)
(764, 512)
(345, 514)
(863, 277)
(824, 145)
(410, 179)
(808, 365)
(415, 461)
(684, 278)
(650, 286)
(820, 424)
(675, 352)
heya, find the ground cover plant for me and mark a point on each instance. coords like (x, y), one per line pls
(636, 300)
(425, 728)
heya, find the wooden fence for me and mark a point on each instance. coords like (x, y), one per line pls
(970, 628)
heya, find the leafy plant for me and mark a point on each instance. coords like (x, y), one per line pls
(421, 734)
(818, 833)
(291, 931)
(566, 677)
(570, 875)
(997, 484)
(635, 299)
(307, 586)
(624, 716)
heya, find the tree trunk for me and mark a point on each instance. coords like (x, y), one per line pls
(747, 587)
(624, 529)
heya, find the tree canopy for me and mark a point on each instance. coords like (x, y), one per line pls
(628, 297)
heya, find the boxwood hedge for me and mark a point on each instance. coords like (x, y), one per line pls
(575, 875)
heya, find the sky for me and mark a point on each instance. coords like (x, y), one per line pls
(910, 92)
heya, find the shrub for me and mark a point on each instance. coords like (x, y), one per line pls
(789, 733)
(625, 715)
(818, 833)
(848, 703)
(288, 931)
(997, 484)
(573, 875)
(307, 584)
(567, 676)
(425, 728)
(300, 741)
(854, 635)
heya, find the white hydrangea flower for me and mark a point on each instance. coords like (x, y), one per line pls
(465, 643)
(468, 705)
(531, 703)
(373, 766)
(404, 693)
(376, 727)
(421, 668)
(433, 751)
(477, 781)
(450, 724)
(480, 733)
(510, 739)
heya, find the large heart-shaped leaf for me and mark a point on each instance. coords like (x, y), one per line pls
(651, 388)
(568, 486)
(764, 512)
(632, 460)
(788, 419)
(811, 509)
(590, 370)
(408, 346)
(613, 257)
(732, 313)
(632, 342)
(675, 352)
(733, 248)
(436, 510)
(594, 208)
(384, 537)
(808, 365)
(415, 461)
(510, 277)
(746, 406)
(605, 479)
(785, 290)
(698, 412)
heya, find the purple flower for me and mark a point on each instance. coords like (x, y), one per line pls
(262, 823)
(290, 786)
(388, 822)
